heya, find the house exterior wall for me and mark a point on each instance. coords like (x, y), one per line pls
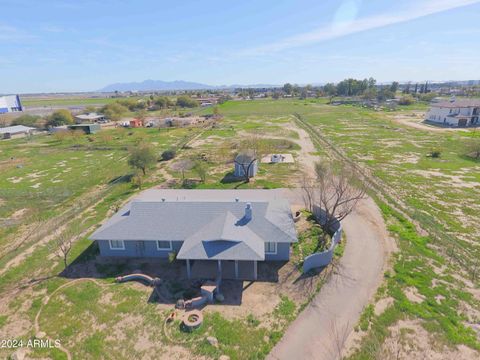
(149, 249)
(283, 253)
(137, 249)
(444, 115)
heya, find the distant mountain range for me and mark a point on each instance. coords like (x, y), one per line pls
(159, 85)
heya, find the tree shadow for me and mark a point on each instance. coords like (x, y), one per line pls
(121, 179)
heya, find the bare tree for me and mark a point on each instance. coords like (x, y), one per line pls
(336, 193)
(308, 192)
(251, 151)
(182, 166)
(62, 245)
(201, 170)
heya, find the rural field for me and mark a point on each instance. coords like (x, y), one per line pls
(54, 186)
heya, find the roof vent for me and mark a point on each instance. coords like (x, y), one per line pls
(248, 212)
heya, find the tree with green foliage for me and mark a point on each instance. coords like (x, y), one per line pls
(90, 109)
(330, 89)
(27, 120)
(60, 117)
(406, 100)
(370, 93)
(385, 93)
(163, 102)
(288, 89)
(394, 87)
(114, 111)
(141, 114)
(186, 102)
(142, 157)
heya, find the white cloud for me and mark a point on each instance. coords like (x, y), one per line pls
(336, 30)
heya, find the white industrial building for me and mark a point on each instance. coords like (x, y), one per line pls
(10, 103)
(12, 132)
(462, 113)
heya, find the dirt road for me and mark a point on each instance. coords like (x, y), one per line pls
(321, 330)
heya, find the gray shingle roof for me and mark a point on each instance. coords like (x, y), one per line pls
(210, 222)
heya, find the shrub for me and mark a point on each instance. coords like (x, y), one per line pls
(168, 154)
(435, 154)
(185, 101)
(406, 100)
(27, 120)
(60, 117)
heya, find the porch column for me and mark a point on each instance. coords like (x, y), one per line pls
(236, 269)
(220, 267)
(188, 269)
(255, 270)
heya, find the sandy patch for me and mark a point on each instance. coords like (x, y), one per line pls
(409, 158)
(382, 305)
(413, 295)
(15, 180)
(365, 157)
(409, 340)
(19, 214)
(36, 186)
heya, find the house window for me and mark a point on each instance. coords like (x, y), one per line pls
(117, 245)
(270, 248)
(164, 245)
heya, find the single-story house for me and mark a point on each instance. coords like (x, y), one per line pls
(465, 112)
(90, 118)
(10, 103)
(86, 128)
(244, 162)
(226, 227)
(16, 131)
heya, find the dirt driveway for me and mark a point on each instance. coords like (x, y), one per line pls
(415, 120)
(322, 329)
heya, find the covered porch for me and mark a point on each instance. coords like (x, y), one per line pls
(223, 269)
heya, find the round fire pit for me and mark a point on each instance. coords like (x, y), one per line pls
(192, 319)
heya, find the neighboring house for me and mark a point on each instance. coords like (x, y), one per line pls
(220, 226)
(455, 113)
(16, 131)
(246, 161)
(90, 118)
(136, 123)
(86, 128)
(10, 103)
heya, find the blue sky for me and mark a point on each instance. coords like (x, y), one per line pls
(83, 45)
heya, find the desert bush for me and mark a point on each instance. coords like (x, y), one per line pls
(168, 154)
